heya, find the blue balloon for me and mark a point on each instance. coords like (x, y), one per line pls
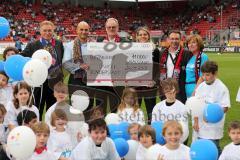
(115, 131)
(124, 128)
(2, 63)
(4, 27)
(158, 126)
(203, 149)
(121, 146)
(14, 66)
(213, 113)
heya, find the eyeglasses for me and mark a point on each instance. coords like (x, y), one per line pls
(111, 27)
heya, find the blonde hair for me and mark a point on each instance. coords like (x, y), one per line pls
(131, 92)
(143, 29)
(133, 125)
(112, 19)
(46, 23)
(60, 87)
(41, 127)
(173, 124)
(58, 113)
(147, 130)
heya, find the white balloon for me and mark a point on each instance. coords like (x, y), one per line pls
(195, 106)
(44, 56)
(35, 72)
(112, 118)
(21, 142)
(153, 152)
(80, 100)
(185, 131)
(133, 146)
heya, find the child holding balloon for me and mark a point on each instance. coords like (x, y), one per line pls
(232, 150)
(129, 110)
(22, 100)
(59, 141)
(41, 152)
(97, 145)
(212, 90)
(173, 149)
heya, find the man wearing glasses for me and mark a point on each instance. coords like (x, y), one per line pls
(55, 47)
(172, 63)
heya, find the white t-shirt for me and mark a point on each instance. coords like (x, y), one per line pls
(73, 127)
(6, 95)
(177, 111)
(48, 115)
(128, 115)
(170, 65)
(218, 93)
(45, 155)
(181, 153)
(12, 113)
(60, 143)
(230, 152)
(141, 153)
(87, 150)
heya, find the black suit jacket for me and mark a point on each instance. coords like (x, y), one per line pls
(182, 77)
(34, 46)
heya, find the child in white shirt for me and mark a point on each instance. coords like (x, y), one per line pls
(22, 100)
(41, 152)
(97, 146)
(5, 89)
(133, 131)
(170, 108)
(3, 136)
(212, 90)
(173, 149)
(59, 141)
(147, 138)
(232, 150)
(129, 110)
(60, 92)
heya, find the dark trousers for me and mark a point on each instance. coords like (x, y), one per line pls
(45, 97)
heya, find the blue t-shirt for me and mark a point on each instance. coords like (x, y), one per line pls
(190, 74)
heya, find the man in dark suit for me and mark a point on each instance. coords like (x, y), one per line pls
(55, 47)
(172, 63)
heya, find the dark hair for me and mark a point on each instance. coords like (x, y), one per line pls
(25, 116)
(3, 73)
(3, 109)
(209, 67)
(9, 49)
(175, 31)
(17, 87)
(169, 84)
(147, 130)
(97, 123)
(234, 125)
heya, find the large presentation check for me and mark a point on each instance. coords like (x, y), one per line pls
(119, 64)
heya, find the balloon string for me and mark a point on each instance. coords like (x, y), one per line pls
(41, 95)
